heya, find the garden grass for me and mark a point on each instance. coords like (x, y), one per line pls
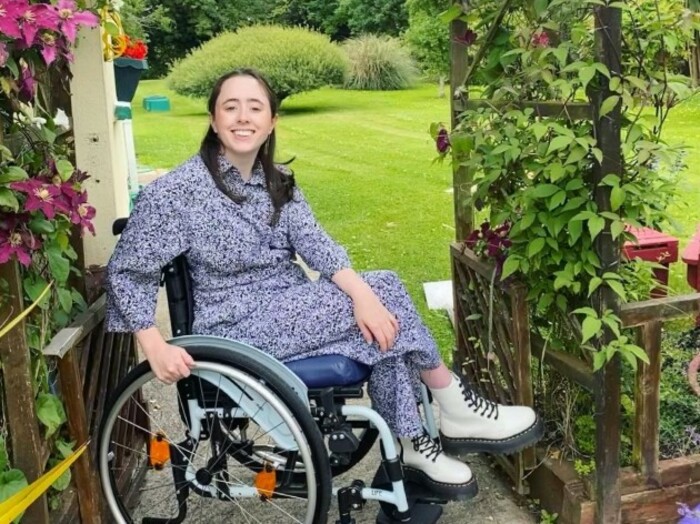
(364, 161)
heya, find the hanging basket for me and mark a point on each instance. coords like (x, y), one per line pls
(127, 73)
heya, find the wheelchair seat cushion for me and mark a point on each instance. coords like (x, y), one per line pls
(329, 371)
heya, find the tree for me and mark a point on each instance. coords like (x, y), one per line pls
(428, 37)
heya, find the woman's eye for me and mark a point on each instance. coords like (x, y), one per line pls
(255, 109)
(230, 108)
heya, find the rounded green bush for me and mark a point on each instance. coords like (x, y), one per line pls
(379, 63)
(292, 59)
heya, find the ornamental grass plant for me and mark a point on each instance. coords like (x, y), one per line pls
(379, 63)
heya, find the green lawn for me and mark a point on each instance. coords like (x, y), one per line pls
(364, 160)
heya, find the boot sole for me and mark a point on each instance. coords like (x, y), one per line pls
(457, 492)
(508, 446)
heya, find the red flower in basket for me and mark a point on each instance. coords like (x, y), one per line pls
(135, 49)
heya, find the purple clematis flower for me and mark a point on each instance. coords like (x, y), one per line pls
(26, 84)
(83, 213)
(48, 47)
(10, 11)
(4, 54)
(16, 240)
(468, 38)
(34, 18)
(70, 18)
(442, 142)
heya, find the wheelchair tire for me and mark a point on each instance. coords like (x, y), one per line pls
(124, 470)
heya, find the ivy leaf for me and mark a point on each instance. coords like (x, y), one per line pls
(586, 74)
(616, 228)
(510, 266)
(535, 247)
(13, 174)
(594, 284)
(608, 105)
(455, 11)
(595, 226)
(544, 190)
(618, 288)
(590, 328)
(599, 360)
(559, 142)
(50, 412)
(59, 265)
(617, 198)
(11, 482)
(8, 199)
(557, 200)
(65, 169)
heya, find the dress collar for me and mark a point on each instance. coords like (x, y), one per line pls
(228, 170)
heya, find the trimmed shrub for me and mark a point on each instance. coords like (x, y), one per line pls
(292, 59)
(379, 63)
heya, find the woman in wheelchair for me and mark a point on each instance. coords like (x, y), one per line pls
(238, 218)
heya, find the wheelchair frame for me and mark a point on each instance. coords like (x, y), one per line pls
(326, 408)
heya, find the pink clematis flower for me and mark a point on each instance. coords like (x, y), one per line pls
(83, 213)
(70, 18)
(10, 11)
(34, 18)
(41, 196)
(442, 141)
(48, 47)
(540, 39)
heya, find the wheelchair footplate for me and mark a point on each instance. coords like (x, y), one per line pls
(423, 506)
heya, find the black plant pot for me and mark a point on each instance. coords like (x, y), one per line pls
(127, 73)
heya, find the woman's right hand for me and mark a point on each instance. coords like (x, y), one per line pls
(169, 363)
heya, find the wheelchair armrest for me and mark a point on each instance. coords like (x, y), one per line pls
(118, 226)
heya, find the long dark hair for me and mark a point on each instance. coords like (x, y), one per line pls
(280, 185)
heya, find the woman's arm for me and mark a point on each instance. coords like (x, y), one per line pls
(374, 320)
(169, 363)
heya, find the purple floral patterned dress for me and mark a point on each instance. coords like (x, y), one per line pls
(247, 288)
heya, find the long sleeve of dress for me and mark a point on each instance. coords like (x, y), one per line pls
(311, 241)
(156, 233)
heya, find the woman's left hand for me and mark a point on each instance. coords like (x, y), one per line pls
(375, 321)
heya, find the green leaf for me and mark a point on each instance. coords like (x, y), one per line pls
(539, 129)
(544, 190)
(637, 352)
(618, 288)
(590, 328)
(50, 412)
(62, 482)
(535, 247)
(594, 284)
(13, 174)
(527, 221)
(585, 75)
(608, 105)
(455, 11)
(59, 265)
(556, 171)
(66, 299)
(595, 226)
(559, 142)
(617, 198)
(540, 7)
(510, 266)
(8, 199)
(557, 200)
(599, 360)
(65, 169)
(34, 287)
(575, 230)
(4, 458)
(585, 311)
(65, 448)
(11, 482)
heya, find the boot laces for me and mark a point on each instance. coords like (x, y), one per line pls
(478, 403)
(425, 445)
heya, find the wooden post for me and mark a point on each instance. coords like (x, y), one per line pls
(608, 41)
(84, 473)
(23, 425)
(645, 450)
(460, 175)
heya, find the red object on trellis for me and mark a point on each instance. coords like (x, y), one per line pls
(690, 256)
(653, 246)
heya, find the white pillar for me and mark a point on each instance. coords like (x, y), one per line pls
(99, 144)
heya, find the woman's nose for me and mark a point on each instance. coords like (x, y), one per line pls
(242, 115)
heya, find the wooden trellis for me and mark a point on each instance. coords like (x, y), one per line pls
(494, 350)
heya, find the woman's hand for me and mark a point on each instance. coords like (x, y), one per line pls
(375, 321)
(169, 363)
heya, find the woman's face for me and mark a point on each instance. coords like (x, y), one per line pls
(242, 117)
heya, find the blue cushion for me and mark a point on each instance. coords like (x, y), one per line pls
(329, 370)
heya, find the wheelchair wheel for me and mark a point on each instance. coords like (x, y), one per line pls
(184, 453)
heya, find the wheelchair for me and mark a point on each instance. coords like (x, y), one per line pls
(246, 438)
